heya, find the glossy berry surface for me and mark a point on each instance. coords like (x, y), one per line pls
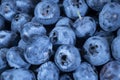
(62, 35)
(97, 50)
(44, 69)
(84, 27)
(47, 12)
(71, 7)
(39, 51)
(109, 17)
(85, 72)
(110, 71)
(67, 58)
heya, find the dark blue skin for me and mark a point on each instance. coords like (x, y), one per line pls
(85, 72)
(17, 74)
(97, 5)
(71, 8)
(15, 58)
(3, 61)
(115, 48)
(56, 1)
(24, 6)
(97, 50)
(67, 58)
(8, 10)
(62, 35)
(18, 21)
(109, 17)
(84, 27)
(48, 71)
(2, 22)
(7, 38)
(108, 35)
(47, 12)
(118, 1)
(65, 77)
(118, 32)
(22, 44)
(31, 29)
(110, 71)
(64, 21)
(39, 51)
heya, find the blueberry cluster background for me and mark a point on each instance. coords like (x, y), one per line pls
(59, 39)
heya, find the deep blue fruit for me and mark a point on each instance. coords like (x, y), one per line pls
(47, 12)
(32, 29)
(65, 77)
(15, 58)
(7, 38)
(24, 6)
(84, 27)
(62, 35)
(115, 48)
(48, 71)
(64, 21)
(85, 72)
(108, 35)
(2, 22)
(118, 32)
(17, 74)
(67, 58)
(118, 1)
(3, 61)
(96, 50)
(97, 5)
(109, 17)
(110, 71)
(39, 51)
(56, 1)
(72, 7)
(18, 21)
(22, 44)
(8, 10)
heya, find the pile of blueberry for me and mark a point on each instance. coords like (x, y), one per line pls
(60, 40)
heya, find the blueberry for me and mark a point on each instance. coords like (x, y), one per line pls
(84, 27)
(97, 50)
(15, 58)
(118, 32)
(62, 35)
(24, 6)
(110, 71)
(2, 22)
(97, 5)
(109, 17)
(115, 48)
(85, 71)
(108, 35)
(47, 12)
(3, 61)
(71, 8)
(22, 44)
(7, 38)
(65, 77)
(8, 10)
(17, 74)
(67, 58)
(18, 21)
(39, 51)
(64, 21)
(56, 1)
(118, 1)
(48, 71)
(31, 29)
